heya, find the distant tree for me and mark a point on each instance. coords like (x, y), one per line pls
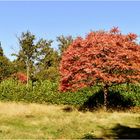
(5, 65)
(102, 57)
(47, 61)
(64, 42)
(19, 65)
(27, 53)
(35, 57)
(1, 50)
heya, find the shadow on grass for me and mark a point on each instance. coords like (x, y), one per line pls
(125, 132)
(118, 132)
(115, 101)
(90, 136)
(94, 102)
(67, 109)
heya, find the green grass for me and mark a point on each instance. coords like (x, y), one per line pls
(35, 121)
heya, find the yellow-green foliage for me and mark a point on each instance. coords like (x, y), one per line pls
(47, 92)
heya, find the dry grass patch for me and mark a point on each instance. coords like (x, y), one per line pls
(22, 121)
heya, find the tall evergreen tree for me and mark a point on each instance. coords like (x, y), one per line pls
(1, 50)
(5, 65)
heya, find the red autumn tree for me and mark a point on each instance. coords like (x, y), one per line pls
(20, 77)
(102, 57)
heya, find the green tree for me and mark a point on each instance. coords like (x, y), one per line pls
(36, 57)
(64, 42)
(47, 61)
(1, 50)
(19, 65)
(5, 65)
(27, 54)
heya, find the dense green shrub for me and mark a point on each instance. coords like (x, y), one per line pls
(46, 92)
(42, 92)
(129, 92)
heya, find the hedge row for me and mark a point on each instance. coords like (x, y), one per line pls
(47, 92)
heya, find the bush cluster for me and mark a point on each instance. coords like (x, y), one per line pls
(47, 92)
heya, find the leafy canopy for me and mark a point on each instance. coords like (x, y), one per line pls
(107, 57)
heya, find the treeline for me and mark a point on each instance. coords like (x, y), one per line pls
(37, 59)
(102, 69)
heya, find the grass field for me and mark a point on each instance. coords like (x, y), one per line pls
(34, 121)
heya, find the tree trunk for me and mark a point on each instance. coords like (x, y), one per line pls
(27, 76)
(105, 90)
(27, 65)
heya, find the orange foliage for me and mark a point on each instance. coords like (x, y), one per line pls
(105, 57)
